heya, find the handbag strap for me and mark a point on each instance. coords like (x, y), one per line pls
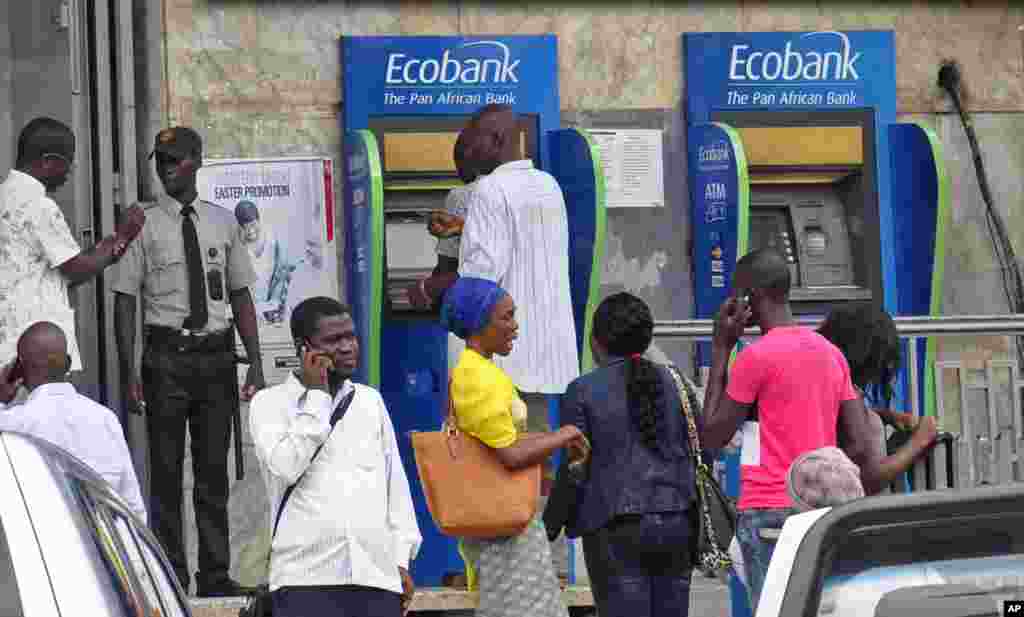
(339, 413)
(691, 423)
(450, 427)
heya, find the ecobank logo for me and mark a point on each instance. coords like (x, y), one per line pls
(787, 64)
(717, 152)
(449, 68)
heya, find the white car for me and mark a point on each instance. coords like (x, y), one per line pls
(69, 544)
(947, 553)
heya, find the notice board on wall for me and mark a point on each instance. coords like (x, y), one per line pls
(633, 166)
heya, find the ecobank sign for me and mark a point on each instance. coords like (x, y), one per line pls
(822, 69)
(415, 74)
(449, 76)
(746, 64)
(449, 69)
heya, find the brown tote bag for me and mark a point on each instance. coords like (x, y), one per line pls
(469, 492)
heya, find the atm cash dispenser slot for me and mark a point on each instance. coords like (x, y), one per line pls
(418, 172)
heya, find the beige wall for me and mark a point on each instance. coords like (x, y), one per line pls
(277, 62)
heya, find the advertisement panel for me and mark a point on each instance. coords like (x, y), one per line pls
(284, 210)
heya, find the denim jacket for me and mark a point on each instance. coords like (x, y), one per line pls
(623, 475)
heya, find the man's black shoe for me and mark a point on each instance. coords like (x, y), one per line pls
(224, 589)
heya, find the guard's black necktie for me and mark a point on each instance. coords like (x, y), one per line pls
(196, 280)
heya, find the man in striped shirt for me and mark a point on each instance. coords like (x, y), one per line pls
(517, 235)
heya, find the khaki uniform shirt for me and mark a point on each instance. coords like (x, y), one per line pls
(154, 264)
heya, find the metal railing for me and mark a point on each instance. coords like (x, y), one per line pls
(971, 445)
(908, 327)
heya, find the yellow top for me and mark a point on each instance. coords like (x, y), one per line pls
(484, 398)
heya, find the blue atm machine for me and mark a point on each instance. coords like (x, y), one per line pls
(793, 143)
(405, 101)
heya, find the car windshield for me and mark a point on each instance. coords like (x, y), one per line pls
(949, 568)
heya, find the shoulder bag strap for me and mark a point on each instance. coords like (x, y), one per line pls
(691, 424)
(451, 426)
(339, 413)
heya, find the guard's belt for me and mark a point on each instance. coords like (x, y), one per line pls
(175, 339)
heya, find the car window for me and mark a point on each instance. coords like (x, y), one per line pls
(10, 597)
(113, 563)
(961, 567)
(136, 562)
(125, 569)
(172, 600)
(154, 575)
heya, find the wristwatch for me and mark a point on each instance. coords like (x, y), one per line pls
(423, 290)
(120, 246)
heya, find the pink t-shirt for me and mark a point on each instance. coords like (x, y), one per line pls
(798, 379)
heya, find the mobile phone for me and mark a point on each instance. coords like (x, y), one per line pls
(17, 371)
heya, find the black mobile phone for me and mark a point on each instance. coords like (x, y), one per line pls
(17, 371)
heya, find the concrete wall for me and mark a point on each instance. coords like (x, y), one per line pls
(6, 138)
(262, 79)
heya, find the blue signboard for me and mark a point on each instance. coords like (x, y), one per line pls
(790, 70)
(720, 210)
(449, 75)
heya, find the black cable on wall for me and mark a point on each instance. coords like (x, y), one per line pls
(1013, 284)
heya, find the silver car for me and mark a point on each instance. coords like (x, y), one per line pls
(942, 553)
(69, 545)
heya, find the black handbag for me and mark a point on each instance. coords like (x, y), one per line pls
(716, 520)
(260, 604)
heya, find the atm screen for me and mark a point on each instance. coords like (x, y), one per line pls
(410, 253)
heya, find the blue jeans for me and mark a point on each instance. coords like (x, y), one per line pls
(640, 565)
(757, 552)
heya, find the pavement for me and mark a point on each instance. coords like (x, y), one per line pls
(709, 597)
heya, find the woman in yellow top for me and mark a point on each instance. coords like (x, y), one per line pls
(514, 575)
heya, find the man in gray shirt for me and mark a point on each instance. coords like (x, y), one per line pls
(188, 266)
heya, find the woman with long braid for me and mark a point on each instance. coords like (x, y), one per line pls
(633, 507)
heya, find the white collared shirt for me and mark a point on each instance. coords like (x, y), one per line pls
(92, 433)
(517, 235)
(350, 521)
(34, 240)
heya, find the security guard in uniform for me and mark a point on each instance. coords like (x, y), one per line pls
(187, 266)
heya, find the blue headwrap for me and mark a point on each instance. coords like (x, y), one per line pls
(468, 305)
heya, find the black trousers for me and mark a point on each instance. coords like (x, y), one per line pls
(198, 388)
(336, 601)
(640, 565)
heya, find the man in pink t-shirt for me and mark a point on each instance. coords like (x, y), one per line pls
(801, 385)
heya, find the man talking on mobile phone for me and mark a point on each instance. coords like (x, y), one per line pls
(804, 399)
(341, 514)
